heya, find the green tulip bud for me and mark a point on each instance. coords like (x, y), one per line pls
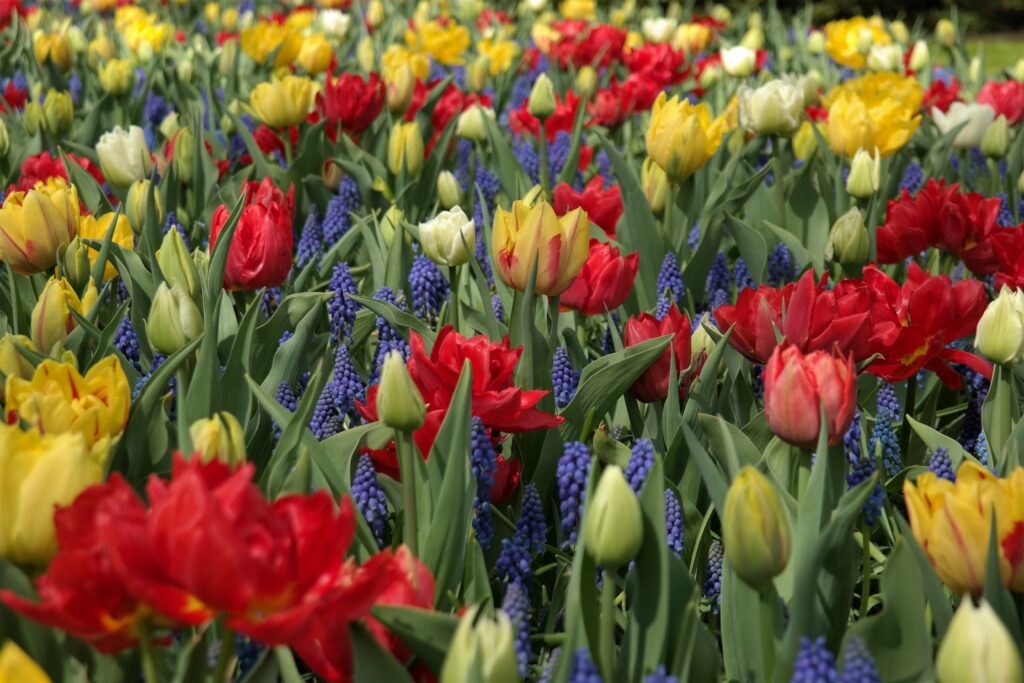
(482, 649)
(32, 118)
(399, 402)
(1017, 71)
(449, 192)
(1000, 332)
(170, 125)
(996, 140)
(865, 174)
(542, 98)
(184, 155)
(174, 319)
(176, 264)
(919, 56)
(755, 528)
(612, 522)
(5, 140)
(74, 264)
(849, 242)
(476, 74)
(978, 647)
(586, 81)
(472, 124)
(58, 112)
(137, 203)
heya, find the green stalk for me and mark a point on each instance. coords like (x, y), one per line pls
(780, 174)
(545, 170)
(670, 205)
(607, 629)
(406, 448)
(865, 577)
(149, 672)
(472, 182)
(908, 409)
(453, 279)
(225, 657)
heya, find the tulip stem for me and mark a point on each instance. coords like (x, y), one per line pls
(545, 169)
(472, 182)
(780, 174)
(908, 409)
(607, 629)
(453, 279)
(865, 580)
(225, 657)
(670, 205)
(406, 448)
(149, 672)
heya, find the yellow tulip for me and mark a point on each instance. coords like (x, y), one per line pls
(220, 437)
(59, 400)
(880, 86)
(953, 520)
(100, 50)
(316, 54)
(882, 123)
(397, 57)
(53, 46)
(261, 40)
(405, 148)
(446, 44)
(117, 76)
(92, 228)
(146, 35)
(531, 233)
(755, 528)
(578, 9)
(58, 111)
(13, 363)
(52, 321)
(692, 38)
(283, 102)
(805, 142)
(37, 473)
(15, 665)
(845, 40)
(501, 54)
(35, 224)
(682, 137)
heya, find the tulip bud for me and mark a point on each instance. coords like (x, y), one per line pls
(710, 76)
(33, 118)
(755, 528)
(612, 522)
(228, 55)
(945, 32)
(365, 54)
(919, 56)
(775, 108)
(476, 74)
(885, 58)
(124, 156)
(184, 155)
(482, 649)
(996, 140)
(865, 174)
(472, 125)
(586, 81)
(332, 175)
(399, 402)
(542, 97)
(176, 264)
(978, 647)
(848, 242)
(655, 185)
(1000, 332)
(137, 203)
(74, 264)
(389, 223)
(449, 192)
(58, 112)
(375, 13)
(184, 70)
(1017, 72)
(220, 437)
(12, 362)
(816, 42)
(405, 148)
(1020, 183)
(721, 13)
(52, 321)
(900, 32)
(974, 70)
(400, 89)
(174, 319)
(753, 39)
(738, 61)
(449, 238)
(169, 126)
(5, 140)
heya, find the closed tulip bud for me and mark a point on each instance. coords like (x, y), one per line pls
(220, 437)
(400, 89)
(542, 98)
(753, 39)
(58, 112)
(472, 124)
(711, 75)
(865, 174)
(184, 155)
(974, 70)
(482, 649)
(1000, 332)
(177, 265)
(390, 222)
(655, 185)
(55, 47)
(701, 343)
(586, 81)
(74, 264)
(978, 118)
(52, 321)
(816, 42)
(32, 118)
(945, 32)
(978, 647)
(174, 319)
(476, 74)
(775, 108)
(12, 362)
(449, 192)
(332, 175)
(405, 148)
(996, 140)
(227, 56)
(849, 242)
(184, 70)
(137, 203)
(170, 125)
(399, 402)
(899, 32)
(865, 39)
(5, 140)
(124, 156)
(613, 526)
(919, 56)
(755, 528)
(365, 54)
(1017, 72)
(449, 237)
(738, 61)
(117, 76)
(721, 13)
(885, 58)
(375, 13)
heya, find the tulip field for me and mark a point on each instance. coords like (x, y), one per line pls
(553, 341)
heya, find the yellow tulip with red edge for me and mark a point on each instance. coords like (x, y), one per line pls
(92, 228)
(52, 321)
(12, 362)
(35, 224)
(682, 137)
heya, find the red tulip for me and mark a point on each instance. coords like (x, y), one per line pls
(797, 386)
(941, 96)
(604, 282)
(815, 318)
(260, 254)
(412, 585)
(40, 167)
(603, 206)
(612, 106)
(654, 383)
(940, 216)
(657, 63)
(1009, 250)
(351, 102)
(1006, 98)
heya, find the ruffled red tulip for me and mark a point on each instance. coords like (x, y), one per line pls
(940, 216)
(913, 325)
(797, 386)
(412, 585)
(654, 383)
(604, 282)
(260, 254)
(351, 103)
(1007, 98)
(815, 318)
(1009, 250)
(941, 96)
(603, 206)
(41, 167)
(658, 63)
(13, 98)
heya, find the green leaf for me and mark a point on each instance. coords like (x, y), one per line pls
(426, 632)
(938, 599)
(752, 246)
(373, 662)
(396, 317)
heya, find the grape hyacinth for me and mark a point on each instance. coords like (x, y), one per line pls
(713, 575)
(341, 310)
(862, 467)
(982, 452)
(913, 178)
(781, 268)
(369, 498)
(673, 523)
(483, 462)
(583, 668)
(310, 240)
(659, 675)
(338, 399)
(573, 468)
(641, 460)
(662, 309)
(718, 277)
(336, 218)
(693, 239)
(127, 342)
(564, 378)
(670, 278)
(858, 664)
(883, 436)
(516, 605)
(287, 398)
(941, 465)
(741, 275)
(427, 287)
(388, 338)
(513, 564)
(499, 310)
(814, 663)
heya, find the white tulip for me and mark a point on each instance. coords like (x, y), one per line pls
(449, 237)
(775, 108)
(738, 61)
(885, 58)
(659, 29)
(977, 116)
(335, 23)
(124, 156)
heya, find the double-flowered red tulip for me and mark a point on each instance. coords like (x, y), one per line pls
(1006, 98)
(603, 206)
(260, 254)
(604, 281)
(350, 102)
(653, 385)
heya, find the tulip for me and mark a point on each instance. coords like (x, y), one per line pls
(174, 319)
(681, 137)
(884, 123)
(805, 142)
(400, 89)
(978, 118)
(92, 228)
(919, 56)
(40, 471)
(604, 282)
(117, 76)
(54, 47)
(365, 55)
(177, 265)
(472, 124)
(12, 362)
(15, 665)
(996, 141)
(658, 29)
(352, 102)
(612, 522)
(849, 242)
(865, 174)
(280, 103)
(58, 112)
(170, 125)
(52, 321)
(399, 402)
(775, 108)
(316, 54)
(449, 192)
(604, 207)
(5, 140)
(34, 225)
(945, 32)
(816, 42)
(136, 206)
(885, 58)
(532, 237)
(220, 437)
(586, 81)
(59, 400)
(124, 157)
(978, 647)
(482, 649)
(653, 385)
(655, 185)
(449, 238)
(74, 264)
(1017, 70)
(184, 155)
(184, 69)
(798, 385)
(476, 75)
(1007, 98)
(541, 103)
(335, 23)
(755, 528)
(1000, 332)
(753, 39)
(390, 222)
(738, 61)
(848, 41)
(900, 32)
(405, 148)
(33, 118)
